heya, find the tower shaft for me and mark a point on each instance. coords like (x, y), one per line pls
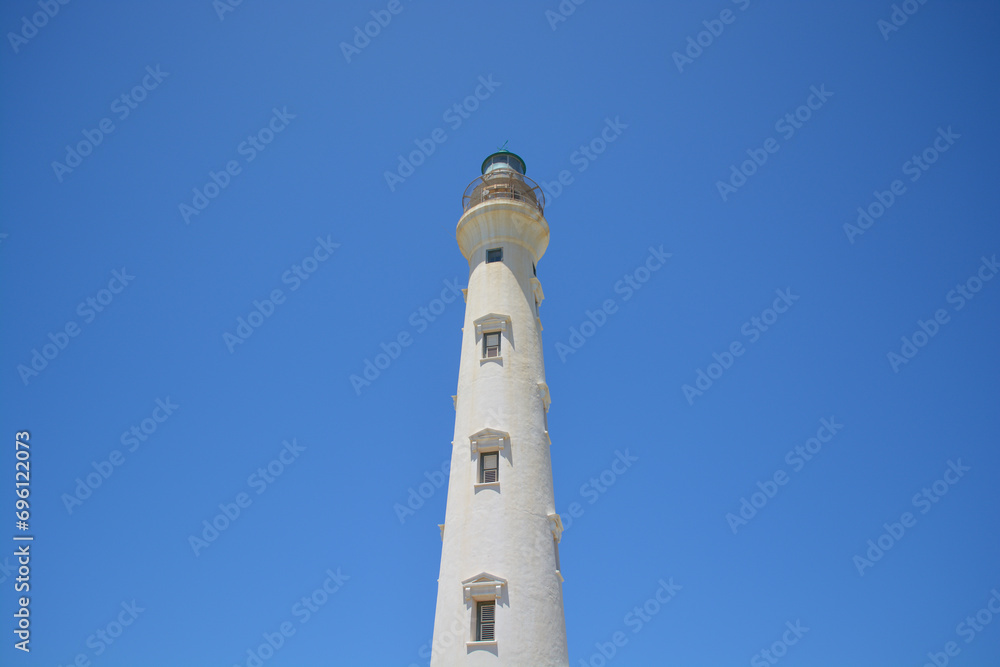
(500, 590)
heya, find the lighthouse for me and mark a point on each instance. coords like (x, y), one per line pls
(499, 598)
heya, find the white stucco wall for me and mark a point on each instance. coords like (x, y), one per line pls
(502, 529)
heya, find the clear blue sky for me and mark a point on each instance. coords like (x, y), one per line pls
(287, 137)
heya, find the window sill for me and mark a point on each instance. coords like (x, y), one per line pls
(487, 485)
(486, 359)
(481, 644)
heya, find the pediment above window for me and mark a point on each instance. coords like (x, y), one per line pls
(555, 523)
(492, 322)
(536, 289)
(484, 586)
(488, 440)
(543, 390)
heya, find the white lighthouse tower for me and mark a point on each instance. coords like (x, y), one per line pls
(500, 590)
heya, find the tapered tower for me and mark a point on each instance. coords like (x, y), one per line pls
(500, 590)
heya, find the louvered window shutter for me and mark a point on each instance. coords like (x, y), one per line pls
(487, 621)
(490, 465)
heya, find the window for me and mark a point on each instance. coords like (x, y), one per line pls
(491, 345)
(486, 447)
(489, 467)
(484, 591)
(534, 271)
(485, 621)
(491, 328)
(494, 255)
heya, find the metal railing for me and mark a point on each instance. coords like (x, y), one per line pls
(503, 184)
